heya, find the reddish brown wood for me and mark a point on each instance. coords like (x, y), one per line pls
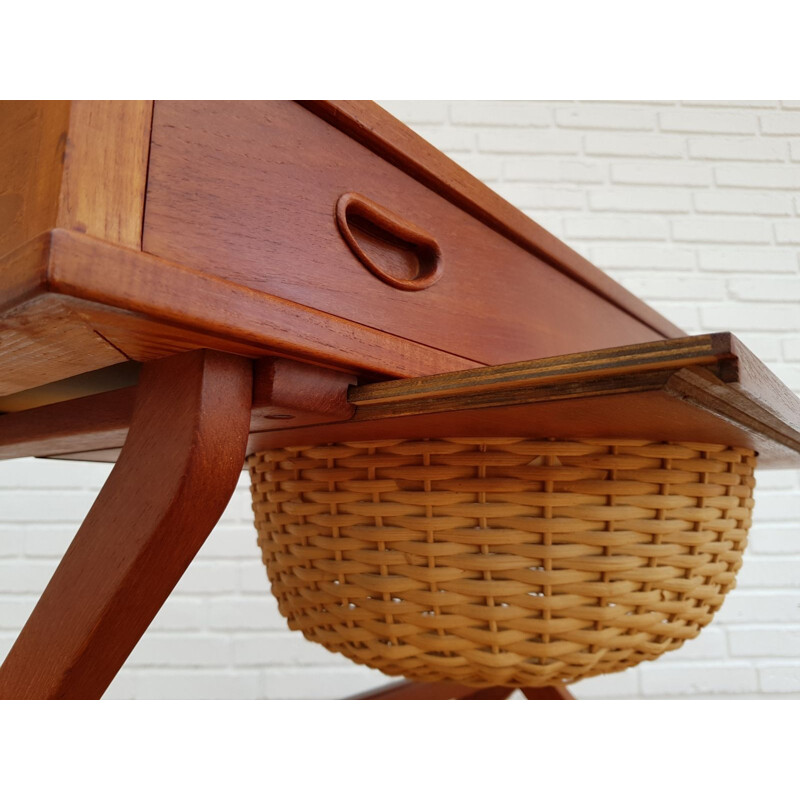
(489, 693)
(203, 307)
(33, 136)
(200, 305)
(285, 394)
(663, 413)
(698, 389)
(247, 207)
(46, 339)
(80, 165)
(378, 130)
(117, 376)
(72, 426)
(177, 471)
(512, 383)
(412, 690)
(251, 197)
(656, 415)
(548, 693)
(397, 251)
(75, 304)
(23, 272)
(105, 170)
(757, 388)
(703, 388)
(288, 393)
(109, 456)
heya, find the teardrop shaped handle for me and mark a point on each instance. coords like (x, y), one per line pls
(397, 251)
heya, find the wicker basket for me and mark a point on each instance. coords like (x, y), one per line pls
(502, 561)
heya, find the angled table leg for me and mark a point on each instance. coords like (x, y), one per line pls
(412, 690)
(549, 693)
(174, 477)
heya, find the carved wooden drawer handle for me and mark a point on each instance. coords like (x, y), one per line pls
(399, 252)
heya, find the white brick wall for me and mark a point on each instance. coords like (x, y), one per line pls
(693, 206)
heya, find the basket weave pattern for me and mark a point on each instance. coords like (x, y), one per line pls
(502, 561)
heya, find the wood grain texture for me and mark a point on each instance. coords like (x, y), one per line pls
(248, 192)
(510, 383)
(45, 340)
(413, 690)
(395, 250)
(80, 165)
(42, 338)
(289, 393)
(698, 389)
(705, 388)
(653, 415)
(441, 690)
(173, 480)
(375, 128)
(117, 376)
(23, 272)
(548, 693)
(758, 387)
(105, 170)
(108, 456)
(33, 135)
(75, 304)
(94, 427)
(72, 426)
(206, 311)
(733, 403)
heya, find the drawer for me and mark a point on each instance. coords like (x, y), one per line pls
(249, 192)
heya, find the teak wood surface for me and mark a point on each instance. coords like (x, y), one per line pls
(78, 165)
(175, 475)
(74, 304)
(87, 281)
(373, 127)
(706, 388)
(252, 197)
(700, 388)
(411, 690)
(157, 258)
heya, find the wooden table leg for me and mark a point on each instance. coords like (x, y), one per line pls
(549, 693)
(413, 690)
(174, 477)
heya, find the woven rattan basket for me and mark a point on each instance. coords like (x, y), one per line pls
(502, 561)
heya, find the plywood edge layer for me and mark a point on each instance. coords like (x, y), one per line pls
(713, 350)
(679, 398)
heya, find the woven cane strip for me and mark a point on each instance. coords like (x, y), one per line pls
(502, 561)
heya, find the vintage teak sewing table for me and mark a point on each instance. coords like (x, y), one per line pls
(185, 283)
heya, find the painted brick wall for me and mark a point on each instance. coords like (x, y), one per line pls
(694, 206)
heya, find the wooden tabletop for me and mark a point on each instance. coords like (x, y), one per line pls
(707, 388)
(100, 276)
(87, 281)
(184, 283)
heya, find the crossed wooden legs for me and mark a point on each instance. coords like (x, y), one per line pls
(177, 471)
(180, 463)
(412, 690)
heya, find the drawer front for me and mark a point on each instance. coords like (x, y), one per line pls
(250, 192)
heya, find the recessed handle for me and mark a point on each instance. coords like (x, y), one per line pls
(397, 251)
